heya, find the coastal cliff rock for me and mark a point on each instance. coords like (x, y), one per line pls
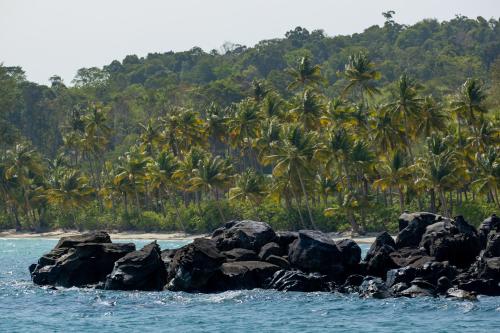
(139, 270)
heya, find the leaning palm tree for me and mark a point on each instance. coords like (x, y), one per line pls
(250, 187)
(293, 159)
(211, 176)
(361, 75)
(431, 118)
(305, 75)
(469, 101)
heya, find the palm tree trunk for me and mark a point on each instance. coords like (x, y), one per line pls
(217, 202)
(298, 207)
(307, 200)
(401, 199)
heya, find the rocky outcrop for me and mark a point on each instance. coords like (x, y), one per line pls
(432, 255)
(79, 261)
(139, 270)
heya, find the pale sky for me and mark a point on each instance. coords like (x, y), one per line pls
(49, 37)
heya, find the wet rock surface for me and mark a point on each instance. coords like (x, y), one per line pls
(431, 256)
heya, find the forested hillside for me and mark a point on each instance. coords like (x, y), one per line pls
(306, 131)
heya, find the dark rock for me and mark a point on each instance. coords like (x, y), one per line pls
(434, 270)
(350, 251)
(167, 256)
(80, 265)
(139, 270)
(284, 280)
(374, 287)
(493, 245)
(380, 261)
(240, 255)
(443, 284)
(398, 275)
(243, 275)
(278, 261)
(194, 265)
(313, 251)
(413, 257)
(382, 239)
(453, 241)
(489, 224)
(91, 237)
(411, 235)
(488, 287)
(270, 249)
(250, 235)
(489, 268)
(285, 238)
(354, 280)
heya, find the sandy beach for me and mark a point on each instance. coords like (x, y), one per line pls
(56, 234)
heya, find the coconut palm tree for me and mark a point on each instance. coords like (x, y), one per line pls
(250, 186)
(211, 176)
(70, 192)
(469, 101)
(405, 106)
(394, 172)
(293, 158)
(361, 75)
(305, 75)
(488, 181)
(309, 109)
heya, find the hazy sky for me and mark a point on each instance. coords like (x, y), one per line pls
(49, 37)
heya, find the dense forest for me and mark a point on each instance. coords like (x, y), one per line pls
(305, 131)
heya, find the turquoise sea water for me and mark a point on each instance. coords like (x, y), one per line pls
(27, 308)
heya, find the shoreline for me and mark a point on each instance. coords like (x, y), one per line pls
(132, 235)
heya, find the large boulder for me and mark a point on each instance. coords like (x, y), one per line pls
(416, 223)
(350, 251)
(378, 258)
(285, 238)
(313, 251)
(90, 237)
(285, 280)
(194, 265)
(270, 249)
(242, 275)
(79, 264)
(139, 270)
(492, 223)
(452, 240)
(250, 235)
(413, 257)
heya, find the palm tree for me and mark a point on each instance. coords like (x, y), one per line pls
(385, 131)
(309, 109)
(394, 173)
(406, 106)
(293, 159)
(468, 101)
(71, 191)
(212, 175)
(250, 186)
(488, 181)
(431, 118)
(259, 90)
(150, 136)
(360, 74)
(305, 74)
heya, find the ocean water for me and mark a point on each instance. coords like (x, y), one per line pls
(28, 308)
